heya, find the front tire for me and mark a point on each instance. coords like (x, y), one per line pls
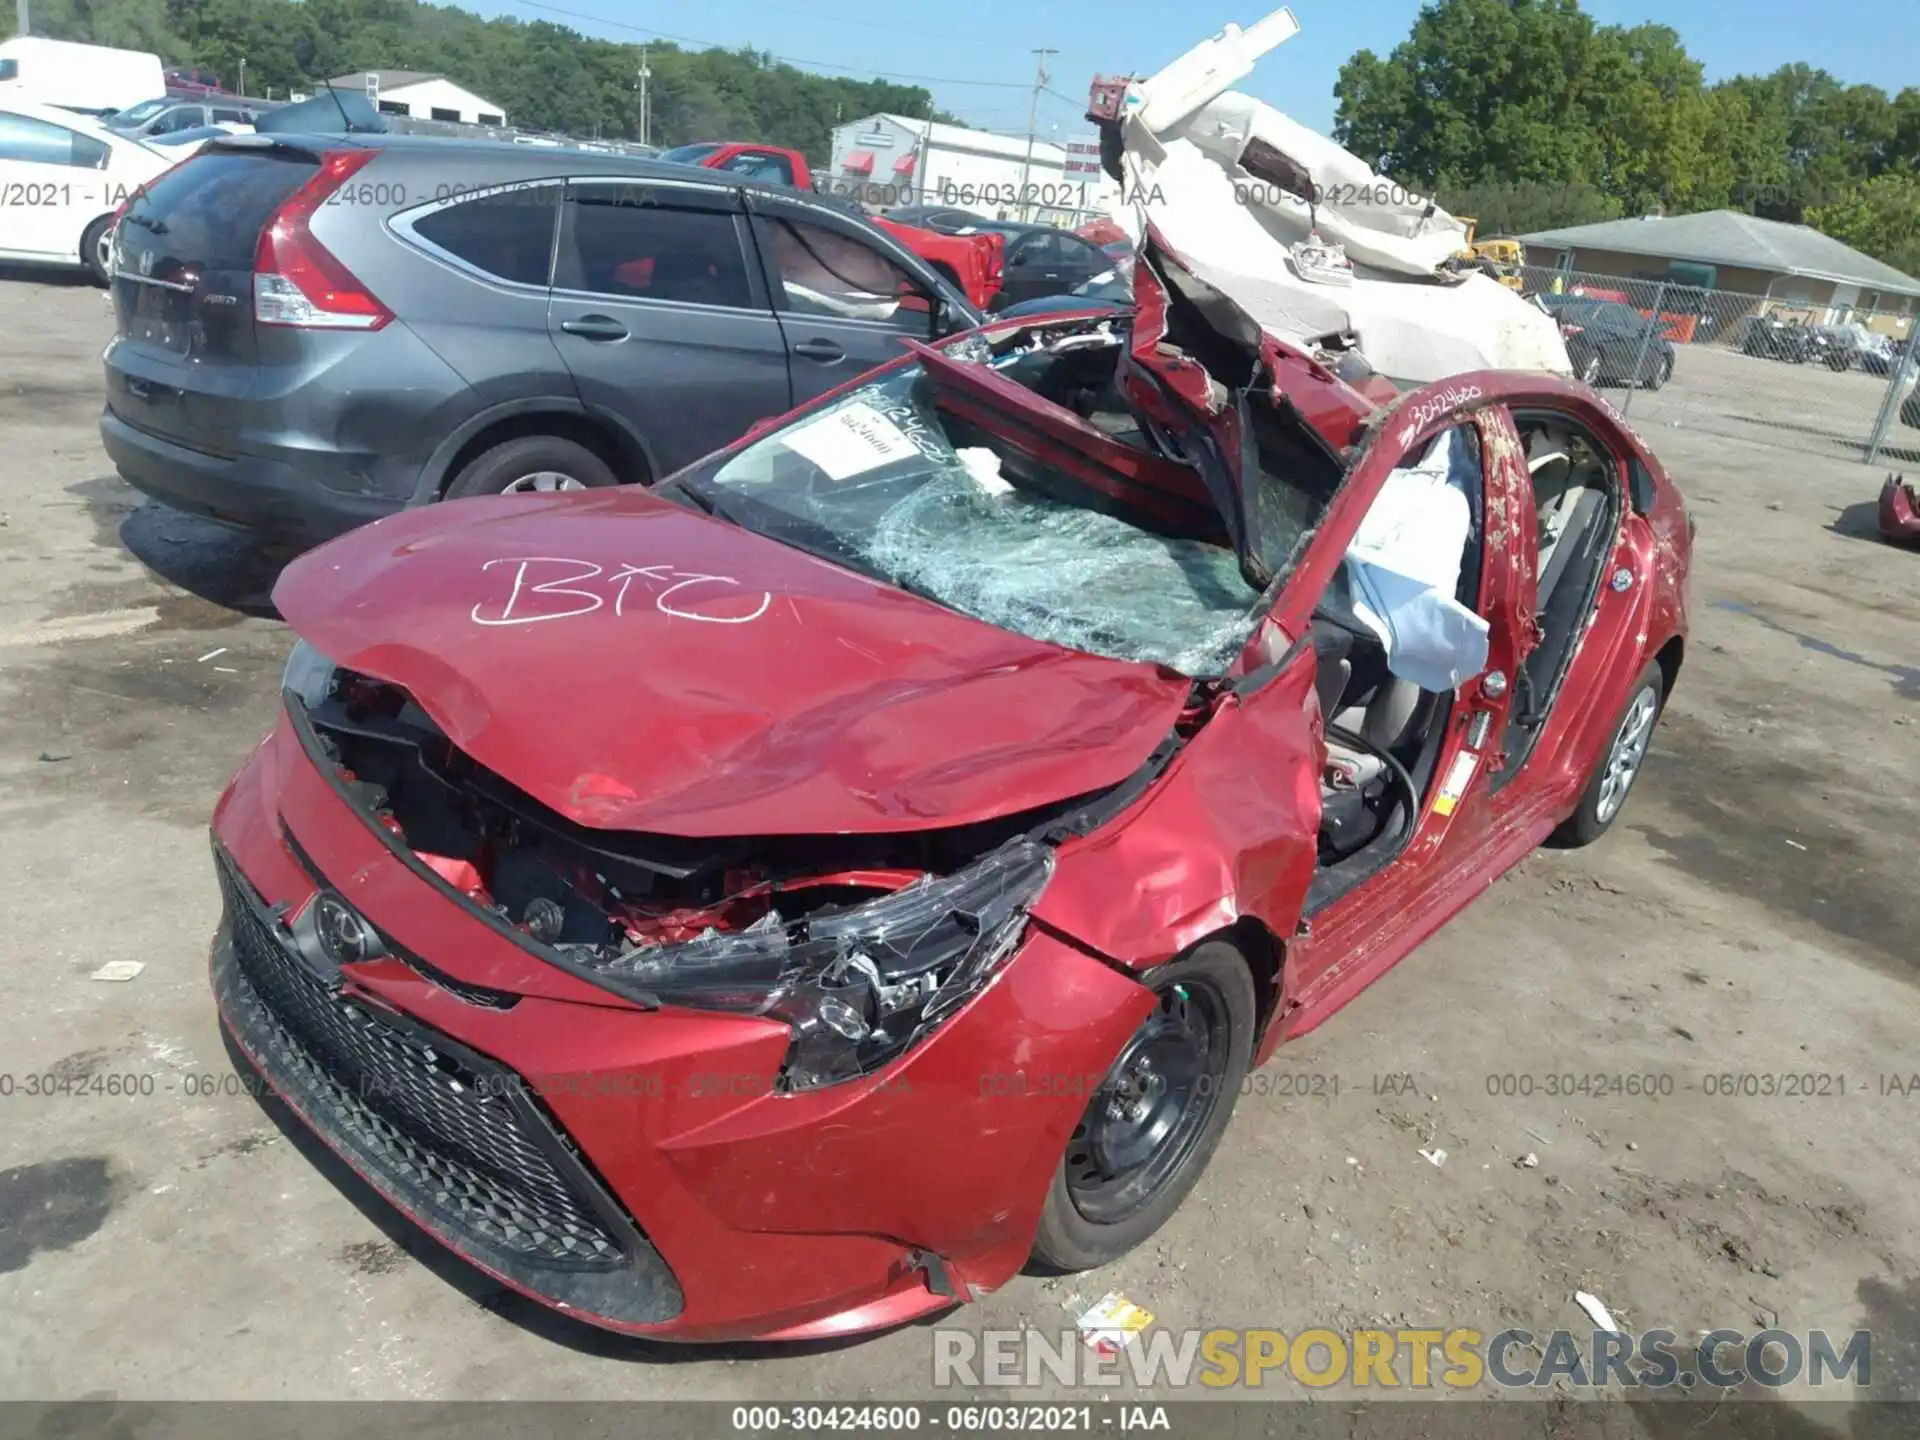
(530, 464)
(96, 250)
(1613, 777)
(1591, 370)
(1158, 1115)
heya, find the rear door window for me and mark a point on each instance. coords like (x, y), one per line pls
(184, 117)
(40, 142)
(642, 243)
(508, 234)
(1079, 254)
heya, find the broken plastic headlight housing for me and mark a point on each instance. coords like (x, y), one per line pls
(309, 675)
(859, 985)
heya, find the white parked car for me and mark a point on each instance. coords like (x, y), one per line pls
(62, 177)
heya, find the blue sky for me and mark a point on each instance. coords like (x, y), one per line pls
(978, 53)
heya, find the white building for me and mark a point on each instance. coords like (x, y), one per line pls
(422, 96)
(897, 160)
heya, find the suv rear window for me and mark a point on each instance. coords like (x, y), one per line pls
(210, 210)
(508, 236)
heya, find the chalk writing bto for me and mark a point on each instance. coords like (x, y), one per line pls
(561, 597)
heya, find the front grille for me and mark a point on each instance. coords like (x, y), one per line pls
(438, 1122)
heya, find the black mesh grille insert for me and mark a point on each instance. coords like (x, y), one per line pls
(447, 1128)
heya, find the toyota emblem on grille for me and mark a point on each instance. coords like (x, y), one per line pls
(329, 933)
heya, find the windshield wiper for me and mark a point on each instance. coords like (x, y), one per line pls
(707, 499)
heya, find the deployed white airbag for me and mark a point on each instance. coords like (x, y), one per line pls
(1404, 564)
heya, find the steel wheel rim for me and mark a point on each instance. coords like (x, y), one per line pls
(1629, 751)
(1153, 1105)
(542, 482)
(1591, 372)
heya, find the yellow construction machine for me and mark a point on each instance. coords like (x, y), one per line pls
(1500, 258)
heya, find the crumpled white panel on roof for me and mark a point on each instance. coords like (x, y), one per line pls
(1378, 222)
(1235, 230)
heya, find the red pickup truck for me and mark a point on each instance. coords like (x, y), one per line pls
(973, 263)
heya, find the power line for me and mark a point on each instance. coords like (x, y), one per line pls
(785, 59)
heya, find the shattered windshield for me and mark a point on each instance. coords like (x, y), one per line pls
(886, 483)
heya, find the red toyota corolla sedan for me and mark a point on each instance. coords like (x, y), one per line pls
(788, 900)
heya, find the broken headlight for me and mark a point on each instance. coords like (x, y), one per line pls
(861, 984)
(309, 675)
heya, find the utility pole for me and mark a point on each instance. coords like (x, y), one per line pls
(20, 15)
(1040, 79)
(645, 74)
(243, 71)
(919, 186)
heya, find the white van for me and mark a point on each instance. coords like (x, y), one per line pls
(62, 177)
(92, 79)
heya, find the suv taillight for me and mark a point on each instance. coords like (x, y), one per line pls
(297, 281)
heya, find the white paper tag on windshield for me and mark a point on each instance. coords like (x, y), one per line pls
(851, 441)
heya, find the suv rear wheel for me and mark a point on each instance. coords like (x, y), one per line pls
(96, 249)
(532, 463)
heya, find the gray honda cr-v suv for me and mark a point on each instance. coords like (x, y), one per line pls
(318, 330)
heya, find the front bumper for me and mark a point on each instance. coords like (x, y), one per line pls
(636, 1168)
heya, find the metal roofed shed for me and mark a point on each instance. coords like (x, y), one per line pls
(1727, 250)
(422, 95)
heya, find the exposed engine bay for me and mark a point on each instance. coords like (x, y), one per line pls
(859, 943)
(1053, 479)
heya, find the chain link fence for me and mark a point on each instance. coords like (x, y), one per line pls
(1751, 367)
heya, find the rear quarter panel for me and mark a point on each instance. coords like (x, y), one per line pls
(490, 347)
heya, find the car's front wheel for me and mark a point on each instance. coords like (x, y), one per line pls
(1157, 1115)
(1591, 369)
(1619, 767)
(529, 464)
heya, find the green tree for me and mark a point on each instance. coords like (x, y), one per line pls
(1528, 116)
(1880, 217)
(1479, 89)
(545, 76)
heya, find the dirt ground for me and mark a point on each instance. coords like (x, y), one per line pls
(1754, 912)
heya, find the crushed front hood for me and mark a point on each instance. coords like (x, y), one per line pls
(634, 665)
